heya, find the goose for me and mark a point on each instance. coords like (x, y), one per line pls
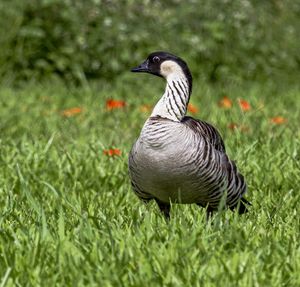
(179, 159)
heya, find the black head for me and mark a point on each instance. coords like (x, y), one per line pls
(156, 64)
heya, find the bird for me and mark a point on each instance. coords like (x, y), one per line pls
(179, 159)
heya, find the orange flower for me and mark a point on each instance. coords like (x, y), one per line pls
(112, 152)
(114, 104)
(192, 108)
(145, 108)
(233, 126)
(244, 105)
(225, 103)
(278, 120)
(71, 112)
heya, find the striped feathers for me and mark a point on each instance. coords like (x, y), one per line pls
(177, 158)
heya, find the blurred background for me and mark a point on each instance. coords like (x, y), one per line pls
(83, 40)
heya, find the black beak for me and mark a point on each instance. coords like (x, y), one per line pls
(144, 67)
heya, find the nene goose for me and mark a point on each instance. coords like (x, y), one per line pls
(177, 158)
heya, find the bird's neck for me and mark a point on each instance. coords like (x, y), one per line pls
(173, 103)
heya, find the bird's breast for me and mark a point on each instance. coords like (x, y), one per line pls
(164, 162)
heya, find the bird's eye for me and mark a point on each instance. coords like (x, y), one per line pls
(156, 59)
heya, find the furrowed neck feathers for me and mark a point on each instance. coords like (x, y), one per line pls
(173, 104)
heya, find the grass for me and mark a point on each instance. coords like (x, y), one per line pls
(68, 215)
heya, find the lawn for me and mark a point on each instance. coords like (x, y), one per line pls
(67, 213)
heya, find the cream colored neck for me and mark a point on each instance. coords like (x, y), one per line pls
(173, 103)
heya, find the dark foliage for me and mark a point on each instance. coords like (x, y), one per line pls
(87, 39)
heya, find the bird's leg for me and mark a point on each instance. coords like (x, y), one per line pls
(209, 211)
(164, 208)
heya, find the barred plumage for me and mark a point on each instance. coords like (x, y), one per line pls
(177, 158)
